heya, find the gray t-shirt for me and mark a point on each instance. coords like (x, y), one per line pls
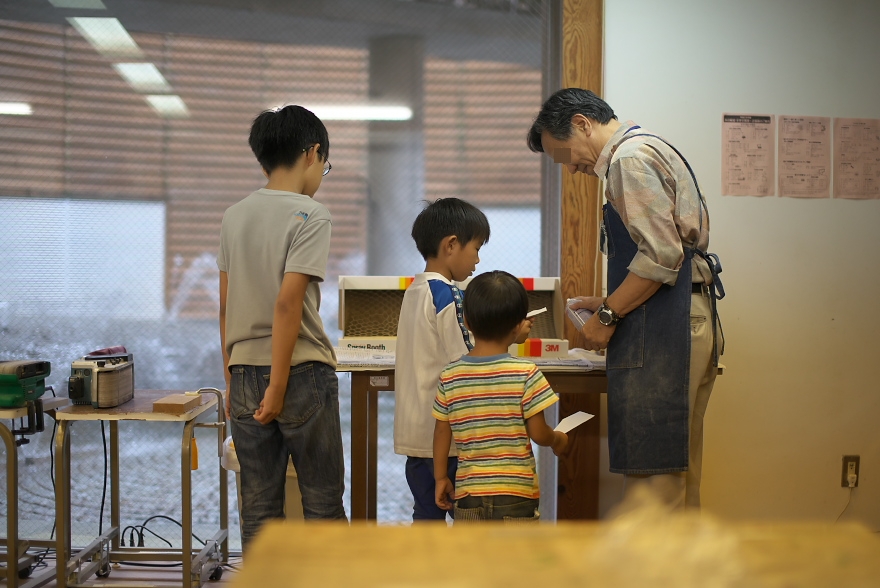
(264, 236)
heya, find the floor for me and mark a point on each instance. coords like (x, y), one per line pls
(127, 575)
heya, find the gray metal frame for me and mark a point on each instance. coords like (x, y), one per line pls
(16, 561)
(73, 570)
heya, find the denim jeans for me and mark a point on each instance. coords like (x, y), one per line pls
(307, 430)
(500, 507)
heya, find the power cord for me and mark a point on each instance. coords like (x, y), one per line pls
(851, 480)
(140, 529)
(40, 558)
(104, 491)
(176, 522)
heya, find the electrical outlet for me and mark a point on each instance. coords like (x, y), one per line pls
(850, 466)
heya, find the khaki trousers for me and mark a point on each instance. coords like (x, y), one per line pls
(682, 489)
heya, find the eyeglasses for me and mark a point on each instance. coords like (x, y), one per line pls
(327, 166)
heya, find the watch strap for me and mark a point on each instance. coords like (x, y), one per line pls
(615, 318)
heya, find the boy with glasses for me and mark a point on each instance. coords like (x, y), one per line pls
(279, 364)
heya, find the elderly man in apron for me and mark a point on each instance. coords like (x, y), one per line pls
(659, 322)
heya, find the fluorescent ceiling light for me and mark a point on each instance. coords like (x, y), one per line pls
(143, 77)
(360, 112)
(19, 108)
(82, 4)
(106, 35)
(168, 106)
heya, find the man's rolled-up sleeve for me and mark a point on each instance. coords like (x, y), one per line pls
(646, 203)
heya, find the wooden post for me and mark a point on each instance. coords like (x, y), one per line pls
(580, 265)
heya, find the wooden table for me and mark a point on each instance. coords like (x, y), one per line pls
(97, 556)
(644, 548)
(577, 495)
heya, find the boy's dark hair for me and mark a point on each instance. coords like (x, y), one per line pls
(494, 303)
(280, 136)
(445, 217)
(556, 113)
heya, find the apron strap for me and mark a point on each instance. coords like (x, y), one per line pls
(716, 292)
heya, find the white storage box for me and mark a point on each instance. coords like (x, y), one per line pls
(369, 307)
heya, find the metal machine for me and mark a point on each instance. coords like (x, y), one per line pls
(104, 381)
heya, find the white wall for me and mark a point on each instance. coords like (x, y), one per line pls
(802, 386)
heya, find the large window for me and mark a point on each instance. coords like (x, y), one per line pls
(115, 175)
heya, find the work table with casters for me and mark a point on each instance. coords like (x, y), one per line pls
(95, 559)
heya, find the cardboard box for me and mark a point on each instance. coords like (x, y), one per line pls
(369, 307)
(177, 403)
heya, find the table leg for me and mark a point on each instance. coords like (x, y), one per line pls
(12, 508)
(578, 472)
(114, 483)
(365, 387)
(364, 425)
(186, 490)
(62, 503)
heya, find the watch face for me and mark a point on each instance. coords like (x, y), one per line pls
(605, 317)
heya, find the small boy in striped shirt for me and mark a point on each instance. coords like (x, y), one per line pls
(492, 405)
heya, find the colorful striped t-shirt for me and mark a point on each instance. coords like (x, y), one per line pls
(487, 401)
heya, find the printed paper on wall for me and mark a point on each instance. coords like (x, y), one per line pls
(857, 158)
(804, 156)
(748, 162)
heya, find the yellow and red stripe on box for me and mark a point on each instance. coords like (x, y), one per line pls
(528, 283)
(541, 348)
(405, 282)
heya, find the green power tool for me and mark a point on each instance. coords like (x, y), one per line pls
(22, 382)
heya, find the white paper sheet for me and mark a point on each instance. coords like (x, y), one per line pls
(572, 421)
(536, 312)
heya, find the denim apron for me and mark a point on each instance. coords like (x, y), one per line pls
(648, 363)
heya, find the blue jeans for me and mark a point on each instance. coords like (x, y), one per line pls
(420, 477)
(500, 507)
(307, 430)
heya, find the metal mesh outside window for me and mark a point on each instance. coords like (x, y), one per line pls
(110, 207)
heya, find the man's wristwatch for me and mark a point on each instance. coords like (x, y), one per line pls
(607, 316)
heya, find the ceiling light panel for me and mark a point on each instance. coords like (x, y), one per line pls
(79, 4)
(143, 77)
(168, 106)
(16, 108)
(360, 112)
(107, 36)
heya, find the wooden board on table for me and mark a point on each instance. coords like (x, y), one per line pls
(176, 403)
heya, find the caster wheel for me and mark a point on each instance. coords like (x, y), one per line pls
(25, 572)
(103, 572)
(216, 574)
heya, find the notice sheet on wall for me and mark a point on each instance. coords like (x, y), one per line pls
(804, 156)
(857, 158)
(747, 155)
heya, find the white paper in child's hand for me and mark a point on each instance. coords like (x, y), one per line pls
(536, 312)
(572, 421)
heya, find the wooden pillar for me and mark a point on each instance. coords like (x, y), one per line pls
(581, 200)
(580, 265)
